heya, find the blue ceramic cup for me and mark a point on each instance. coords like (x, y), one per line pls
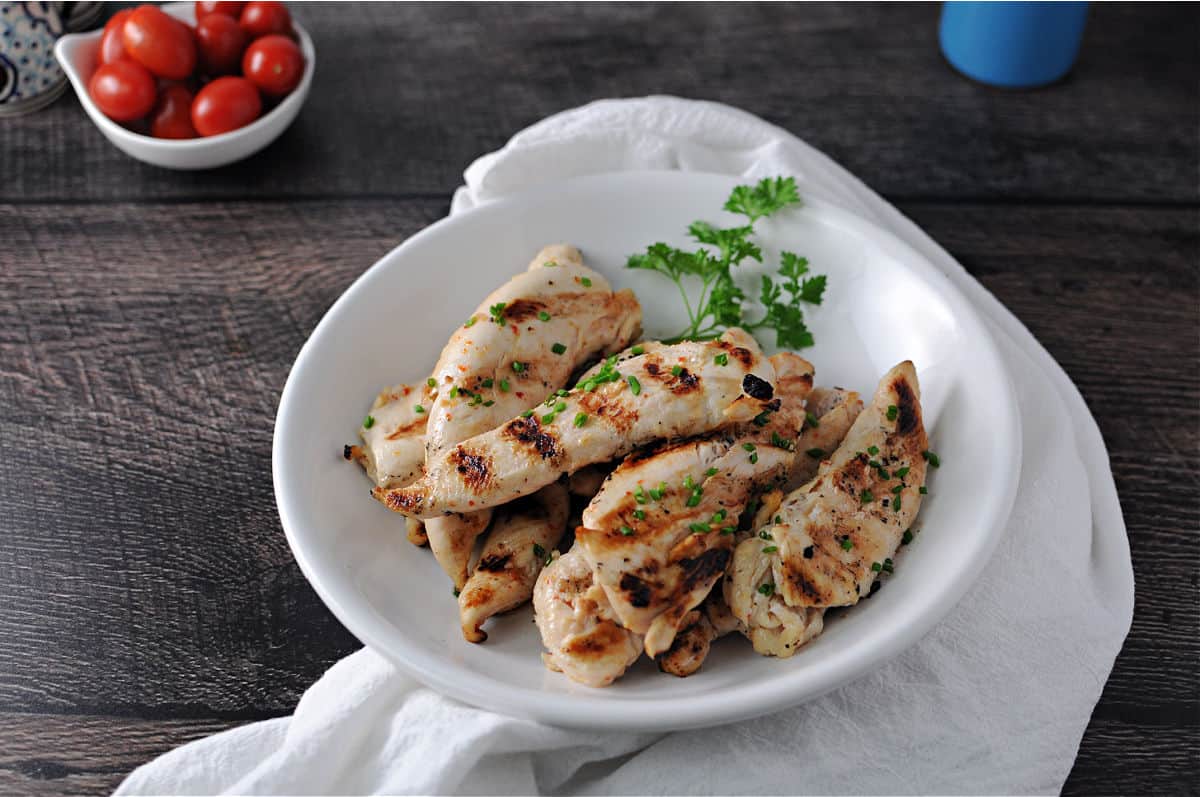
(1014, 45)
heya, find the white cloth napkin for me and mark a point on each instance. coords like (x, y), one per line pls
(994, 700)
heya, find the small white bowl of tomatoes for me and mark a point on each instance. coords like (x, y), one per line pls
(192, 85)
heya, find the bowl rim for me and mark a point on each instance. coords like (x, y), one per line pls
(184, 11)
(598, 711)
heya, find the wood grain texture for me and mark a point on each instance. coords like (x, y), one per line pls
(406, 95)
(142, 570)
(48, 755)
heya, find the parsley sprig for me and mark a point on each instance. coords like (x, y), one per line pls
(721, 303)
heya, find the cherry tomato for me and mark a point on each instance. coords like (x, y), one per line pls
(111, 46)
(222, 42)
(124, 90)
(264, 18)
(229, 9)
(172, 116)
(225, 104)
(161, 43)
(274, 64)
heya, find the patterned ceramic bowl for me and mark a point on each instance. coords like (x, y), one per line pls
(30, 77)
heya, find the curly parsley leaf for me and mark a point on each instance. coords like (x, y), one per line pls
(722, 303)
(756, 202)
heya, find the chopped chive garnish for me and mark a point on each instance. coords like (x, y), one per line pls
(628, 532)
(748, 446)
(770, 549)
(816, 453)
(923, 490)
(639, 514)
(656, 493)
(689, 482)
(763, 418)
(368, 422)
(907, 538)
(455, 593)
(883, 474)
(586, 282)
(431, 382)
(543, 316)
(518, 367)
(538, 550)
(638, 349)
(718, 516)
(892, 412)
(549, 264)
(896, 504)
(902, 472)
(888, 567)
(778, 520)
(504, 386)
(766, 589)
(876, 567)
(639, 494)
(728, 530)
(489, 402)
(635, 387)
(558, 348)
(470, 321)
(812, 420)
(700, 528)
(711, 472)
(765, 535)
(897, 489)
(873, 450)
(846, 544)
(754, 458)
(497, 312)
(932, 458)
(560, 406)
(548, 417)
(581, 418)
(561, 392)
(779, 441)
(417, 408)
(721, 359)
(694, 498)
(527, 414)
(676, 370)
(487, 382)
(866, 497)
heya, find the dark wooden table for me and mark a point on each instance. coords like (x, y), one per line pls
(148, 320)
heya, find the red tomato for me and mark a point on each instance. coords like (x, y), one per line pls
(161, 43)
(225, 104)
(229, 9)
(111, 46)
(274, 64)
(124, 90)
(222, 42)
(264, 18)
(172, 116)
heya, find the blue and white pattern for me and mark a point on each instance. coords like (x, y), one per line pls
(28, 68)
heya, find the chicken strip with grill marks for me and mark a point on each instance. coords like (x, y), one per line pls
(582, 637)
(659, 533)
(522, 343)
(393, 449)
(513, 555)
(863, 499)
(832, 530)
(631, 400)
(771, 626)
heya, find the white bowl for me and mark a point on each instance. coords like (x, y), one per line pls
(884, 303)
(77, 54)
